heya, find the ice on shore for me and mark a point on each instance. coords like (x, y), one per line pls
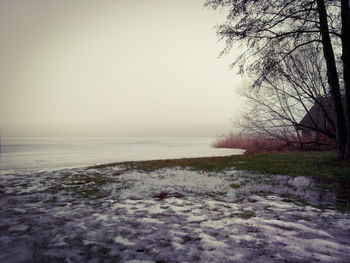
(169, 215)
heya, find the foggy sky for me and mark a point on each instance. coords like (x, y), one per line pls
(113, 68)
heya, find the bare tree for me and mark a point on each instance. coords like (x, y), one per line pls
(345, 35)
(275, 106)
(291, 25)
(333, 79)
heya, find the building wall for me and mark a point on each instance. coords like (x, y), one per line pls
(317, 137)
(324, 139)
(306, 136)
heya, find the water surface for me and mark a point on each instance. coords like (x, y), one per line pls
(38, 154)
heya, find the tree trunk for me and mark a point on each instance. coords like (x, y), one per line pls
(345, 30)
(333, 81)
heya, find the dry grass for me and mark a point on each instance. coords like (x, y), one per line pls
(254, 144)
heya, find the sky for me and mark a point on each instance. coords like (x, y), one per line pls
(114, 68)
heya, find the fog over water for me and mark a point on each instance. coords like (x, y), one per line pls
(94, 70)
(47, 154)
(113, 68)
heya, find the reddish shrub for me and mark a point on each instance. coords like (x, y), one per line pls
(254, 144)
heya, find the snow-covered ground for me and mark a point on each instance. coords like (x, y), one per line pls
(169, 215)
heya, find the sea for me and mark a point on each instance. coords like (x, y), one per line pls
(43, 154)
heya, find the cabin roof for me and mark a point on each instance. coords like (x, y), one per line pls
(315, 118)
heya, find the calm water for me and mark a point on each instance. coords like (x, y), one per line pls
(43, 154)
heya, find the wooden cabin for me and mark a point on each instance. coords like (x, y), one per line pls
(317, 126)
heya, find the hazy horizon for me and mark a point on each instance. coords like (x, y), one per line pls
(149, 131)
(113, 69)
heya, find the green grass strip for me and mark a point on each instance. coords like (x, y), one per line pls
(314, 164)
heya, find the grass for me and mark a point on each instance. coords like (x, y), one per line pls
(314, 164)
(91, 193)
(86, 186)
(323, 166)
(235, 186)
(247, 215)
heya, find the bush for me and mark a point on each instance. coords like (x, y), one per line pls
(254, 143)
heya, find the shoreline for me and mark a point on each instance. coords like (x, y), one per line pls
(46, 154)
(316, 164)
